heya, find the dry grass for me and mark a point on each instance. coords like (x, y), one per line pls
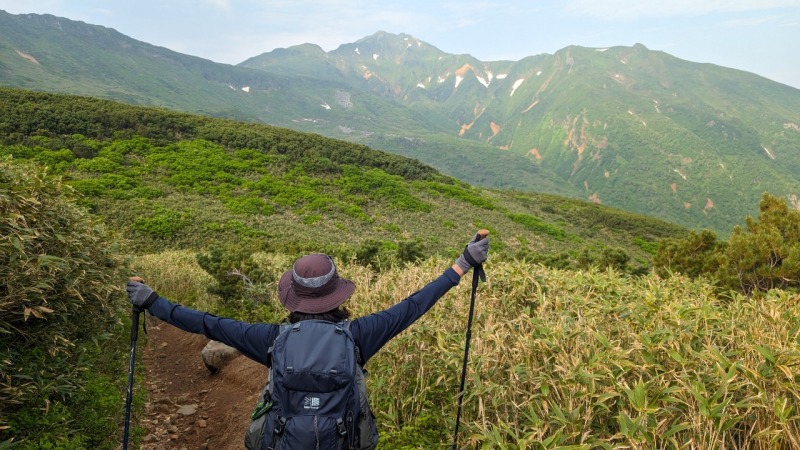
(564, 359)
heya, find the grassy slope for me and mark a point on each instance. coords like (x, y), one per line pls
(177, 180)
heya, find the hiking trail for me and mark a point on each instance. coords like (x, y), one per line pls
(188, 407)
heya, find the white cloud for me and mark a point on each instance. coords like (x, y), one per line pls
(636, 9)
(223, 4)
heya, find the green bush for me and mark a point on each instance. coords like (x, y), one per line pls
(58, 271)
(163, 224)
(410, 251)
(249, 205)
(110, 185)
(763, 255)
(693, 255)
(535, 224)
(233, 269)
(380, 186)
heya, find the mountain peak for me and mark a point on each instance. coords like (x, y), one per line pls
(385, 36)
(385, 43)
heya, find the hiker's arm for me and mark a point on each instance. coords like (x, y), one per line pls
(253, 340)
(373, 331)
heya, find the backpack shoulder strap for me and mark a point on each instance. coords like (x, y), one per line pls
(285, 327)
(345, 324)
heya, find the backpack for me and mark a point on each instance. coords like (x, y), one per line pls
(316, 396)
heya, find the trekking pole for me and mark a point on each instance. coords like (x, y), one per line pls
(477, 275)
(129, 398)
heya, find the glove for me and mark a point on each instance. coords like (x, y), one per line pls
(141, 295)
(475, 254)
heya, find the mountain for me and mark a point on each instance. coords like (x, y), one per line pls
(695, 144)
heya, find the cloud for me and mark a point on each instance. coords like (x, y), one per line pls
(638, 9)
(222, 4)
(753, 21)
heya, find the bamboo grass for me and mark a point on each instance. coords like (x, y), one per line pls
(575, 359)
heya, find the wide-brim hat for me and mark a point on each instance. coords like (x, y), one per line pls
(313, 286)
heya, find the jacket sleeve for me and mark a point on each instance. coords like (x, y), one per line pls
(373, 331)
(253, 340)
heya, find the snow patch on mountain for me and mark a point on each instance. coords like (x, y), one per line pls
(769, 153)
(516, 85)
(246, 88)
(459, 79)
(502, 76)
(483, 81)
(358, 52)
(375, 56)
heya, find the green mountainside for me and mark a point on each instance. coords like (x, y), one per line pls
(627, 126)
(694, 144)
(174, 180)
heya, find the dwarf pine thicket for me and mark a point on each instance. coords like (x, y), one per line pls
(763, 255)
(577, 342)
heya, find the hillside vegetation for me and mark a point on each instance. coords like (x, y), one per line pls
(576, 343)
(630, 127)
(167, 179)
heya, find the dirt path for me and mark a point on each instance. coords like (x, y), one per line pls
(177, 381)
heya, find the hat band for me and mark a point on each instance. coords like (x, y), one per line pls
(314, 282)
(311, 292)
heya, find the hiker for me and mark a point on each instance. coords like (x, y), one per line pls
(313, 293)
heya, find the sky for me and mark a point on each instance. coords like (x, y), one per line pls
(758, 36)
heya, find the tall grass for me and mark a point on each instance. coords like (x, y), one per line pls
(566, 359)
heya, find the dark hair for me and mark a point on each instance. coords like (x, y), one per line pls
(335, 315)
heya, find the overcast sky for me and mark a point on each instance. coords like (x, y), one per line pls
(759, 36)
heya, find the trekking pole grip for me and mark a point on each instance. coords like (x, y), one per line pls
(478, 268)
